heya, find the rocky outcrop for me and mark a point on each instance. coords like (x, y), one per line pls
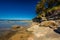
(52, 24)
(43, 32)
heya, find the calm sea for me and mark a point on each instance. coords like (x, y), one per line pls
(9, 24)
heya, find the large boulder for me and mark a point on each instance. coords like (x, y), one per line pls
(51, 24)
(15, 27)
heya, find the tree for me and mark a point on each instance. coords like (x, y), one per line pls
(44, 5)
(47, 7)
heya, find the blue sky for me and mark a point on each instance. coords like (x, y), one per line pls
(18, 9)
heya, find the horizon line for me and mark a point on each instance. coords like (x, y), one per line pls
(15, 19)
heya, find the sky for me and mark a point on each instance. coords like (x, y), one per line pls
(18, 9)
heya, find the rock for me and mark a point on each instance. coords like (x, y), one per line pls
(37, 30)
(15, 27)
(51, 24)
(43, 32)
(30, 38)
(37, 19)
(34, 32)
(21, 34)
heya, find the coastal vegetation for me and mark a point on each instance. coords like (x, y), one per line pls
(47, 10)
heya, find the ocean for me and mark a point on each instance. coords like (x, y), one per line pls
(9, 24)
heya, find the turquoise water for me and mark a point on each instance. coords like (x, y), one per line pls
(9, 24)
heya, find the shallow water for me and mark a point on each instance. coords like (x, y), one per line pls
(5, 26)
(9, 24)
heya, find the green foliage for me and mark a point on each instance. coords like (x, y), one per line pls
(45, 7)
